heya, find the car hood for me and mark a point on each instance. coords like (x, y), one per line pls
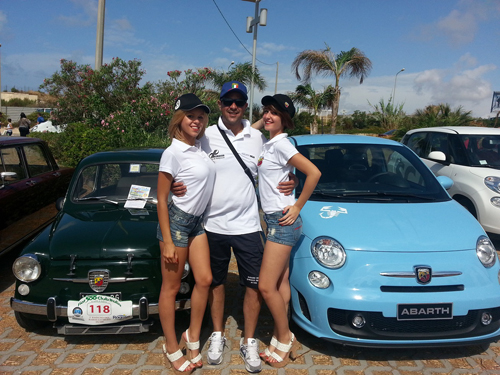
(394, 227)
(104, 234)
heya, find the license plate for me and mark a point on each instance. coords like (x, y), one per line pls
(117, 295)
(425, 311)
(97, 309)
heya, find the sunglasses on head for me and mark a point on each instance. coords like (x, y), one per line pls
(229, 102)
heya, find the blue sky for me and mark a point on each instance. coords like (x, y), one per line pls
(449, 48)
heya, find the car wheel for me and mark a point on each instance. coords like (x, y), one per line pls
(468, 205)
(29, 324)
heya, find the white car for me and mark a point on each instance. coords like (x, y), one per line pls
(470, 156)
(47, 127)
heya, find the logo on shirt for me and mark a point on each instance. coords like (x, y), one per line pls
(260, 161)
(215, 155)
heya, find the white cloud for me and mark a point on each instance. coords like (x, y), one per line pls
(3, 20)
(460, 26)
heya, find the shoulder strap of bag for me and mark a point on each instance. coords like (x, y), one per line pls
(237, 156)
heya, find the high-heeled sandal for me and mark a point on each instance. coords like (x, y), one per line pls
(290, 351)
(174, 357)
(190, 346)
(267, 353)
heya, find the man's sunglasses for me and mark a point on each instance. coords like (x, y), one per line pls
(229, 102)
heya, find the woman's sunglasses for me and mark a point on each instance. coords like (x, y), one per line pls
(229, 102)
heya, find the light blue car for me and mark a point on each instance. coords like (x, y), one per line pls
(387, 258)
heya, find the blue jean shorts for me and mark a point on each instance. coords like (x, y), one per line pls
(282, 234)
(182, 226)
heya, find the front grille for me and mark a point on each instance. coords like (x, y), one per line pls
(422, 289)
(381, 328)
(303, 307)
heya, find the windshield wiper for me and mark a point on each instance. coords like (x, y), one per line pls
(148, 199)
(103, 199)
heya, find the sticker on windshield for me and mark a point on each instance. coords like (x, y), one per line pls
(327, 212)
(137, 196)
(135, 168)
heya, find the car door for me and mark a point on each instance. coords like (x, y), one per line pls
(13, 193)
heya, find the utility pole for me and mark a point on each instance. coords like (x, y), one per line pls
(100, 34)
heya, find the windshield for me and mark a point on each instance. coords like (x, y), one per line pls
(370, 173)
(114, 182)
(482, 150)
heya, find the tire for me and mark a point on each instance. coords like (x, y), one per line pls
(29, 324)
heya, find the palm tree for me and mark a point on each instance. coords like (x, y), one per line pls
(241, 72)
(442, 115)
(316, 101)
(352, 63)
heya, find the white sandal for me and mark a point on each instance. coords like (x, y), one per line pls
(291, 353)
(174, 357)
(191, 346)
(267, 353)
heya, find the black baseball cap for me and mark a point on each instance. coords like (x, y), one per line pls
(187, 102)
(281, 102)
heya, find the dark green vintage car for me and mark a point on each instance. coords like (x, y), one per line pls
(96, 269)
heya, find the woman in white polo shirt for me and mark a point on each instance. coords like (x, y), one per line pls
(284, 225)
(180, 230)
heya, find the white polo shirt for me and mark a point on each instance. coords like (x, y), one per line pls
(192, 166)
(273, 169)
(233, 209)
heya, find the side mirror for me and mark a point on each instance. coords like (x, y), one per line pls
(438, 156)
(445, 181)
(60, 203)
(8, 176)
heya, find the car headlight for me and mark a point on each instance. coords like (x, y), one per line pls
(186, 271)
(486, 251)
(493, 183)
(328, 252)
(27, 268)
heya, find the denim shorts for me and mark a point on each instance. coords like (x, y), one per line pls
(182, 226)
(282, 234)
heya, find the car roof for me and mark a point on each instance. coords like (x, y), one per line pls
(9, 141)
(151, 155)
(473, 130)
(311, 139)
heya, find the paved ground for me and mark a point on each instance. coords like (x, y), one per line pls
(44, 352)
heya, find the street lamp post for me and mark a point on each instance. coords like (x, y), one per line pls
(100, 34)
(252, 23)
(394, 91)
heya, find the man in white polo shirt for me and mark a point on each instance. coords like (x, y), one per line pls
(232, 220)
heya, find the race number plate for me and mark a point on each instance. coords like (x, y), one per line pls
(99, 309)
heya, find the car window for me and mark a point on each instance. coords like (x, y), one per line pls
(438, 142)
(37, 160)
(114, 180)
(370, 171)
(418, 143)
(11, 162)
(482, 150)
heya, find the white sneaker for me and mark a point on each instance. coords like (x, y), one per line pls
(250, 354)
(216, 348)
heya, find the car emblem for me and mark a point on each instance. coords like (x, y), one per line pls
(424, 274)
(98, 280)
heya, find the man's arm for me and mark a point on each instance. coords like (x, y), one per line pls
(287, 187)
(178, 189)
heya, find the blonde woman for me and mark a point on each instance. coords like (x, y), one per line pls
(180, 229)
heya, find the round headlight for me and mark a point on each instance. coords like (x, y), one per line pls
(27, 268)
(486, 251)
(328, 252)
(186, 271)
(319, 279)
(493, 183)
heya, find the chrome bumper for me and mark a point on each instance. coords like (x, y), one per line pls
(52, 311)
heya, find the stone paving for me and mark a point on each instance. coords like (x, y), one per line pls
(45, 352)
